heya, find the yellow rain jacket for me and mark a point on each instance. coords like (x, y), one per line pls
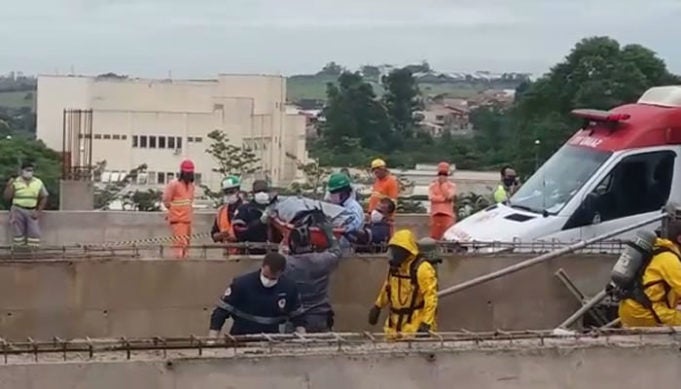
(662, 285)
(410, 292)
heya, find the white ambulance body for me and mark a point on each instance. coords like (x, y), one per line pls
(620, 168)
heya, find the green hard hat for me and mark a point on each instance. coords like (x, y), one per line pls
(338, 181)
(231, 182)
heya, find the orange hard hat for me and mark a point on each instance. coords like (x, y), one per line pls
(187, 166)
(443, 167)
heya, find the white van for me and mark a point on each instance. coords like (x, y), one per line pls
(620, 168)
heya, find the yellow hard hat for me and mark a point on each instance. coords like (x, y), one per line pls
(377, 163)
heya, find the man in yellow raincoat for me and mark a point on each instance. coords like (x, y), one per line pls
(661, 281)
(410, 290)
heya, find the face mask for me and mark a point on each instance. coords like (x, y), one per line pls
(230, 199)
(27, 174)
(266, 282)
(262, 198)
(509, 181)
(376, 216)
(187, 177)
(397, 255)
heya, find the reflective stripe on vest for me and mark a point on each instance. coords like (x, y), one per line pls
(26, 195)
(181, 202)
(267, 321)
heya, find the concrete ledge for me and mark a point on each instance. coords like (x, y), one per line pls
(531, 368)
(133, 298)
(69, 227)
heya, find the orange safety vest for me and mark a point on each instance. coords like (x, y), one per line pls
(224, 219)
(178, 198)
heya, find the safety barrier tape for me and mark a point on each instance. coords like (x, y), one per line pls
(146, 241)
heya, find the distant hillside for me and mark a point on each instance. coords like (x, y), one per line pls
(457, 85)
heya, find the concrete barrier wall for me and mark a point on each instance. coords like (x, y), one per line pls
(137, 298)
(602, 368)
(70, 227)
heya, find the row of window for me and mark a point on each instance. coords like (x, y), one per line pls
(147, 178)
(161, 142)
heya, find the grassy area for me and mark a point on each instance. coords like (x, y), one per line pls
(314, 87)
(17, 99)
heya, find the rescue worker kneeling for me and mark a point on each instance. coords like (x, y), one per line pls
(661, 284)
(311, 271)
(410, 289)
(260, 301)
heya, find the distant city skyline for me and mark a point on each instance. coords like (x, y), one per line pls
(150, 38)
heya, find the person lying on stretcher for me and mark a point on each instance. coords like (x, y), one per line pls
(374, 236)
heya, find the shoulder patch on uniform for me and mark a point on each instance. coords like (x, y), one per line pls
(228, 291)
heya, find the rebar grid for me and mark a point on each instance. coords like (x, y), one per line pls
(279, 344)
(207, 251)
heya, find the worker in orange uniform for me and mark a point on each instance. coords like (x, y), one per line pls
(441, 195)
(385, 185)
(178, 198)
(410, 290)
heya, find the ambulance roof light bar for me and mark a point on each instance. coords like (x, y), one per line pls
(596, 115)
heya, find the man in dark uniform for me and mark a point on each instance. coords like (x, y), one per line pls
(250, 222)
(311, 271)
(260, 301)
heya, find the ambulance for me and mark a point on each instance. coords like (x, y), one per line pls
(619, 169)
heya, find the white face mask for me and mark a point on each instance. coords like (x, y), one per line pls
(262, 198)
(230, 199)
(376, 216)
(266, 282)
(27, 174)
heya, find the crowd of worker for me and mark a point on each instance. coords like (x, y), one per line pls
(290, 293)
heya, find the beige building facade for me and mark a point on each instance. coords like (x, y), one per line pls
(162, 122)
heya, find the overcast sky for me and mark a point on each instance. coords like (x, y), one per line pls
(199, 38)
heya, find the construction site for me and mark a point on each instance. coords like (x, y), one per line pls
(103, 304)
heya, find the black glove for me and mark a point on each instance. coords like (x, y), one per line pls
(373, 315)
(423, 328)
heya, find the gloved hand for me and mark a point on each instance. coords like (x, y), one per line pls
(373, 315)
(423, 328)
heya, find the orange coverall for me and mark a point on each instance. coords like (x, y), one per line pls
(442, 216)
(178, 198)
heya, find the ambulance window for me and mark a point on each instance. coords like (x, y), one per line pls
(638, 184)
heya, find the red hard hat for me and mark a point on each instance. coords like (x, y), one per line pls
(443, 167)
(187, 166)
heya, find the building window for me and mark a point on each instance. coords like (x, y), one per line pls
(190, 139)
(152, 142)
(98, 136)
(124, 137)
(170, 176)
(107, 136)
(197, 178)
(178, 142)
(143, 141)
(135, 140)
(197, 139)
(116, 137)
(161, 177)
(171, 142)
(161, 142)
(151, 178)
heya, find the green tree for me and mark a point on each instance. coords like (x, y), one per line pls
(316, 177)
(353, 112)
(401, 100)
(598, 73)
(230, 160)
(15, 149)
(371, 72)
(144, 200)
(115, 191)
(331, 69)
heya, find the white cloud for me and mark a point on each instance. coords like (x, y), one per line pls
(202, 37)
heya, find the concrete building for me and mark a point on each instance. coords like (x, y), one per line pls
(161, 122)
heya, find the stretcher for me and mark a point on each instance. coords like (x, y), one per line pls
(287, 212)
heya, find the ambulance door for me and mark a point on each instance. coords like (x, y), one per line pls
(635, 189)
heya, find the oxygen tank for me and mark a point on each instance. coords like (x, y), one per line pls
(635, 256)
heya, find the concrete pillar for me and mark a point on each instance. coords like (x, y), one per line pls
(76, 195)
